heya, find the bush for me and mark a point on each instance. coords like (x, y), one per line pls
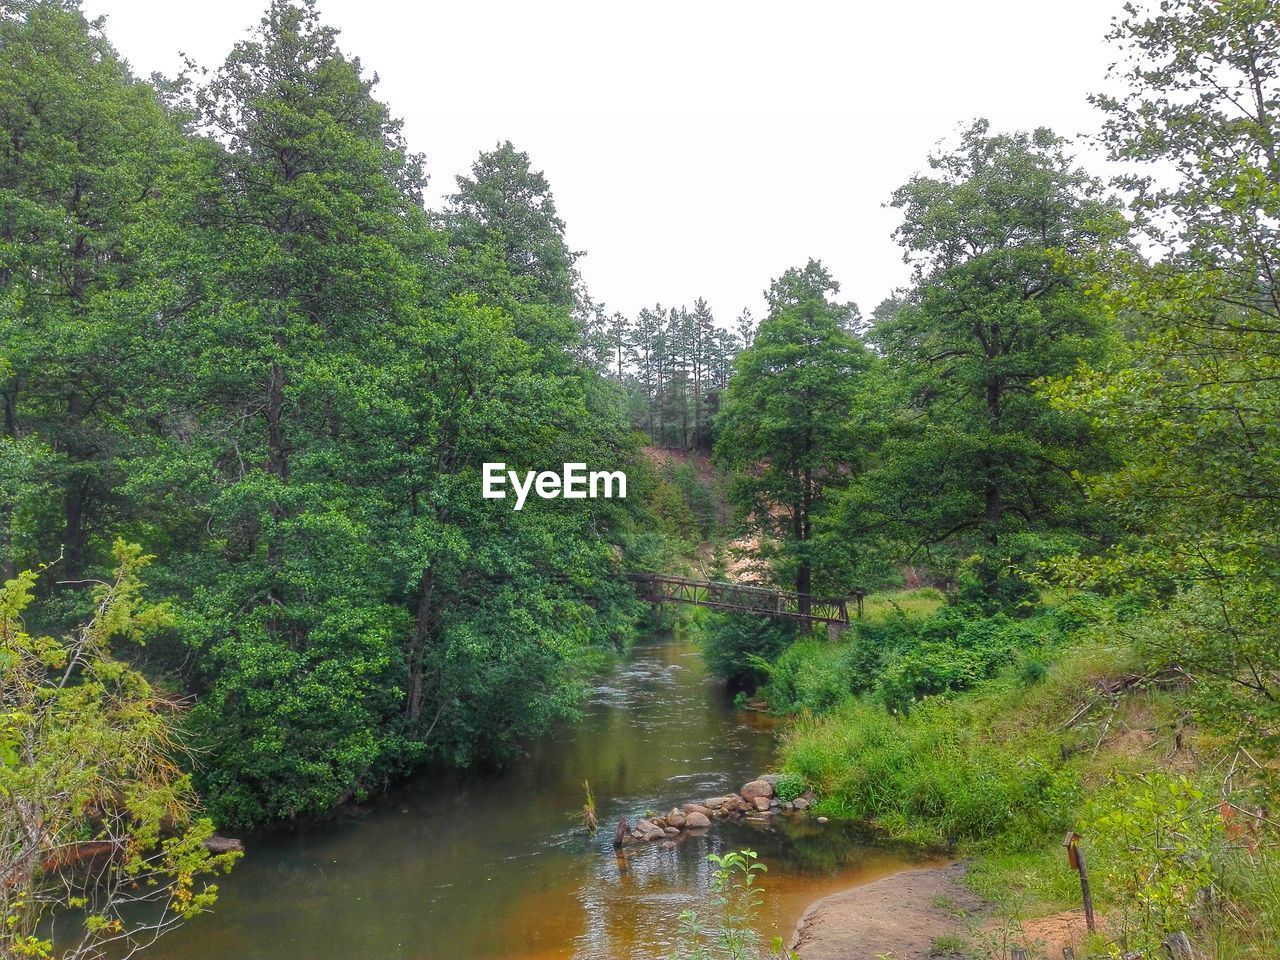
(930, 669)
(789, 786)
(734, 645)
(990, 584)
(810, 675)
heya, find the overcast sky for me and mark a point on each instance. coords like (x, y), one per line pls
(694, 148)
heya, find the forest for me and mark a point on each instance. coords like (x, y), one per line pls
(250, 378)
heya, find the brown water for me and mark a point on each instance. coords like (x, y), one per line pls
(500, 867)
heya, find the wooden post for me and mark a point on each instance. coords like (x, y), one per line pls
(1068, 954)
(1075, 857)
(1179, 947)
(1017, 953)
(859, 595)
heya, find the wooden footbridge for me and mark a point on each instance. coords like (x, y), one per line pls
(740, 598)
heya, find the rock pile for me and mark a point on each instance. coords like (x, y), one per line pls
(756, 800)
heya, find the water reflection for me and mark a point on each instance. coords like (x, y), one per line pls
(499, 866)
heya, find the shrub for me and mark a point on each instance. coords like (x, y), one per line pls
(727, 931)
(810, 675)
(789, 786)
(1160, 843)
(931, 669)
(734, 644)
(989, 584)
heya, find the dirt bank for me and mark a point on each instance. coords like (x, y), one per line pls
(901, 916)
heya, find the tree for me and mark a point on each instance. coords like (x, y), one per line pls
(505, 209)
(648, 345)
(994, 310)
(1194, 402)
(702, 330)
(791, 425)
(89, 775)
(300, 282)
(83, 153)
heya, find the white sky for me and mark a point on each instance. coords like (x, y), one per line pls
(694, 148)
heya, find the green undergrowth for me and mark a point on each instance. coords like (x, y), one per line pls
(918, 604)
(982, 767)
(991, 736)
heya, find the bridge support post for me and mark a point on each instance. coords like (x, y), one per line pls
(836, 630)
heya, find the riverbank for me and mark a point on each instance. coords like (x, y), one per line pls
(908, 916)
(498, 863)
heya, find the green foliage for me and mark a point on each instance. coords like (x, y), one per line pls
(734, 900)
(796, 419)
(812, 674)
(673, 364)
(739, 647)
(229, 329)
(505, 210)
(89, 774)
(933, 776)
(1195, 399)
(789, 786)
(915, 604)
(993, 586)
(901, 662)
(976, 453)
(1158, 843)
(983, 764)
(87, 156)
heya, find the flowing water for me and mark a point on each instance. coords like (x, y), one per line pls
(500, 867)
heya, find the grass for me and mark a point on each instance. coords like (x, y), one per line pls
(991, 735)
(918, 604)
(949, 945)
(1000, 772)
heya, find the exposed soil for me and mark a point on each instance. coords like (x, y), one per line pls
(1048, 935)
(900, 916)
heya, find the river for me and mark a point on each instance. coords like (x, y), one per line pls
(499, 867)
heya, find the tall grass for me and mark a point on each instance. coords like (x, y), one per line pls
(984, 767)
(932, 777)
(918, 604)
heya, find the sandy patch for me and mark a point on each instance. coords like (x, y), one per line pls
(900, 916)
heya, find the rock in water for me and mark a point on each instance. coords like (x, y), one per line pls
(757, 788)
(762, 803)
(620, 834)
(697, 821)
(648, 830)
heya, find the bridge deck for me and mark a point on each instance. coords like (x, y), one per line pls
(739, 598)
